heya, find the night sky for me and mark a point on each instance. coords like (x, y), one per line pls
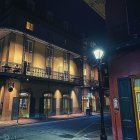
(80, 17)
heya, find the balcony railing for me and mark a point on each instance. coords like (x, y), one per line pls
(10, 67)
(90, 82)
(95, 83)
(37, 72)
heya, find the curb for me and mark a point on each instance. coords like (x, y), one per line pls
(49, 120)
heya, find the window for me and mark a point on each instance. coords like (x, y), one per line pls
(49, 52)
(28, 51)
(29, 26)
(49, 56)
(66, 61)
(28, 46)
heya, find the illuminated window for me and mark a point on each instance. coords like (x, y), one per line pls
(28, 52)
(29, 26)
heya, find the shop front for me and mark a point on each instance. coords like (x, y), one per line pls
(31, 99)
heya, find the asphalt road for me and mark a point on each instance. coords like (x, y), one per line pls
(83, 128)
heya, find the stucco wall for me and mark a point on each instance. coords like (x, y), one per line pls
(58, 61)
(18, 49)
(15, 54)
(122, 65)
(39, 55)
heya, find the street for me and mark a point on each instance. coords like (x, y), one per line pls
(84, 128)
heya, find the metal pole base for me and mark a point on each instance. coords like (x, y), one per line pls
(103, 137)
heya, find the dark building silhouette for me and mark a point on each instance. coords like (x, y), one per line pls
(123, 20)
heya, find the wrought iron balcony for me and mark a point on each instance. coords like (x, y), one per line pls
(14, 68)
(90, 82)
(10, 67)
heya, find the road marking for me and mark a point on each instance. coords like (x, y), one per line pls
(82, 130)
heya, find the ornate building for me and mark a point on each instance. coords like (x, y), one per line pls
(40, 69)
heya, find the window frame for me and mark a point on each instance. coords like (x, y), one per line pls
(29, 26)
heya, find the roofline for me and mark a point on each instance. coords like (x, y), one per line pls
(9, 30)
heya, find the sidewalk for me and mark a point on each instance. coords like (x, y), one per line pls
(47, 119)
(38, 120)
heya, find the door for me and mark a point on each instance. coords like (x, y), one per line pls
(53, 106)
(32, 107)
(65, 105)
(41, 107)
(127, 109)
(24, 105)
(15, 108)
(84, 103)
(47, 105)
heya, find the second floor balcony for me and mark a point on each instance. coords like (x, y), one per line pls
(90, 82)
(95, 83)
(25, 70)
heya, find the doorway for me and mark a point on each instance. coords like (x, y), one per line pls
(47, 104)
(65, 105)
(24, 105)
(127, 108)
(89, 103)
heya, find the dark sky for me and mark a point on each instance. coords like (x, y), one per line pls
(81, 18)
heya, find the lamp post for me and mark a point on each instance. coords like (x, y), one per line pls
(99, 53)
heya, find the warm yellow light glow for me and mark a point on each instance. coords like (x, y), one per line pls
(85, 72)
(29, 26)
(98, 53)
(74, 98)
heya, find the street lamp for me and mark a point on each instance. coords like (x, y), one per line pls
(99, 53)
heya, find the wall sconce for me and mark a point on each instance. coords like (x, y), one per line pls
(10, 86)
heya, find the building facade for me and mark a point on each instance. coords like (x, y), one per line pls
(42, 78)
(123, 24)
(90, 96)
(42, 69)
(40, 64)
(124, 86)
